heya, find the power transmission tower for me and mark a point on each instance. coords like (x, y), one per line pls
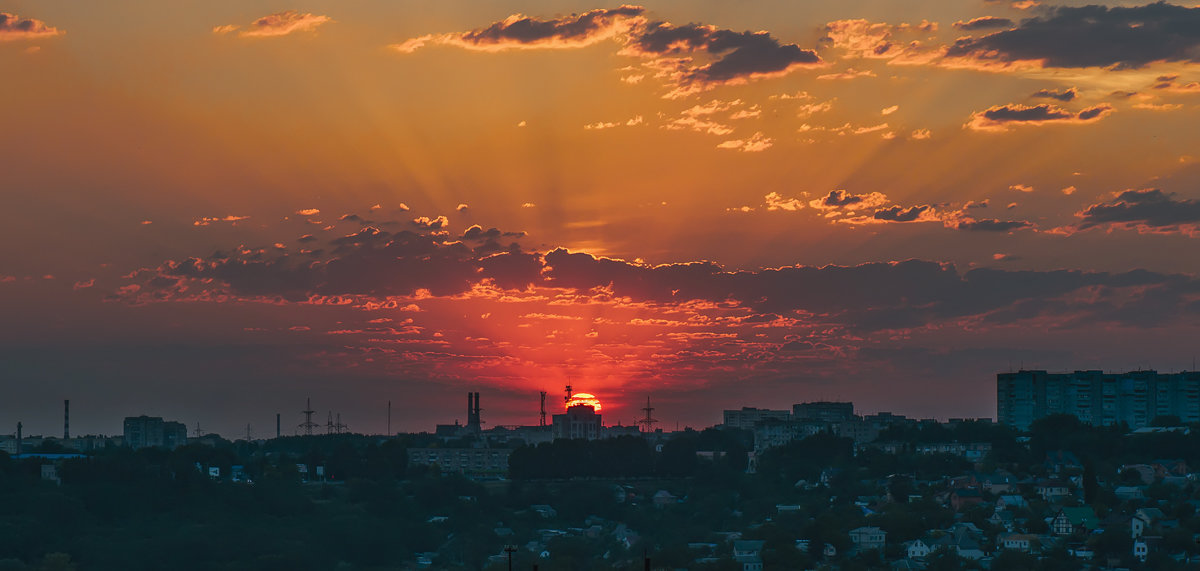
(647, 423)
(308, 425)
(542, 417)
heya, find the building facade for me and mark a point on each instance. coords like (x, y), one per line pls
(1095, 397)
(749, 416)
(824, 411)
(153, 431)
(579, 422)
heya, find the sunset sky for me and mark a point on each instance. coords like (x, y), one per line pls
(214, 210)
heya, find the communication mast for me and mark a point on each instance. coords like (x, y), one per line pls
(308, 412)
(542, 417)
(569, 392)
(647, 423)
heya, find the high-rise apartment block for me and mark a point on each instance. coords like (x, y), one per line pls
(152, 431)
(1095, 397)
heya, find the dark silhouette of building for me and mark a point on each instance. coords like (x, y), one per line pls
(153, 431)
(1095, 397)
(579, 422)
(823, 411)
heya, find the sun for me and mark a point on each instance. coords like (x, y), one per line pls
(584, 399)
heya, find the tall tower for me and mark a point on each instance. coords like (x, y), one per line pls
(647, 423)
(570, 391)
(308, 424)
(542, 416)
(66, 419)
(277, 426)
(474, 421)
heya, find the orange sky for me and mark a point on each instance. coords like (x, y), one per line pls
(879, 203)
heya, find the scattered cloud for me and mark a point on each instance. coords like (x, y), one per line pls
(984, 23)
(754, 144)
(1021, 187)
(1069, 190)
(13, 27)
(889, 110)
(1146, 210)
(520, 32)
(277, 24)
(776, 201)
(849, 73)
(1004, 117)
(1092, 36)
(207, 220)
(1056, 94)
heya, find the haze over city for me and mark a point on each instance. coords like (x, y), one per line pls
(214, 211)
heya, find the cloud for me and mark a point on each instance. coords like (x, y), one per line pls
(920, 134)
(840, 199)
(850, 73)
(871, 40)
(1060, 95)
(776, 201)
(522, 32)
(756, 143)
(900, 214)
(431, 223)
(988, 224)
(1021, 187)
(13, 27)
(1004, 117)
(308, 211)
(889, 110)
(1147, 210)
(1092, 36)
(984, 23)
(207, 220)
(730, 57)
(277, 24)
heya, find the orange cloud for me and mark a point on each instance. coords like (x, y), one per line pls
(1004, 117)
(277, 24)
(13, 27)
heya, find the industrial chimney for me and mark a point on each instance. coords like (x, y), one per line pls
(66, 419)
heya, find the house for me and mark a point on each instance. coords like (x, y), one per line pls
(1011, 501)
(1060, 461)
(749, 562)
(965, 498)
(1071, 520)
(917, 549)
(743, 547)
(1023, 542)
(999, 484)
(1142, 520)
(1081, 551)
(868, 537)
(1002, 518)
(964, 539)
(1129, 493)
(1163, 468)
(1142, 547)
(1052, 490)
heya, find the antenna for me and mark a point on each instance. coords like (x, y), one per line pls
(647, 423)
(308, 424)
(542, 416)
(198, 432)
(569, 391)
(249, 433)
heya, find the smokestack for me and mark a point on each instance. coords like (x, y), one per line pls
(19, 447)
(470, 406)
(66, 419)
(277, 425)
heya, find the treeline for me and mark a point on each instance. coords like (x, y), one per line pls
(632, 457)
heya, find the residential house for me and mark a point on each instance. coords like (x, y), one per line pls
(917, 549)
(1071, 520)
(868, 537)
(965, 498)
(1142, 521)
(964, 539)
(1023, 542)
(1129, 493)
(1052, 490)
(748, 553)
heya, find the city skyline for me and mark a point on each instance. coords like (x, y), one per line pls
(215, 211)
